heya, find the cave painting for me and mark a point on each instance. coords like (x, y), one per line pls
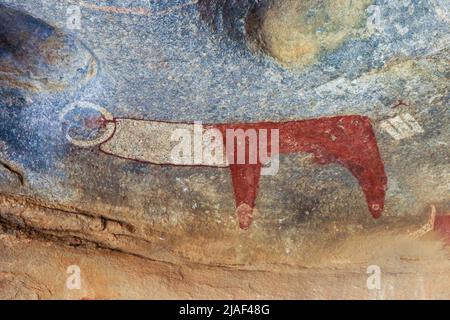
(345, 140)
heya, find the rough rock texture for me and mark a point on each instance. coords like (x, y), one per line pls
(137, 229)
(295, 32)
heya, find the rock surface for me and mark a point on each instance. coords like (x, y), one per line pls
(137, 229)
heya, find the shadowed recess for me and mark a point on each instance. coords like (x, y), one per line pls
(35, 56)
(293, 32)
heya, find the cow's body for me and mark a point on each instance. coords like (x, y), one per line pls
(345, 140)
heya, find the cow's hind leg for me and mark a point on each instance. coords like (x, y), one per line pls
(245, 179)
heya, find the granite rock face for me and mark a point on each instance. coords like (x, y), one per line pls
(91, 91)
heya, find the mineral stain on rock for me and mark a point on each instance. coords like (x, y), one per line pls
(35, 56)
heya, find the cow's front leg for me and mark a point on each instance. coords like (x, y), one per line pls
(245, 179)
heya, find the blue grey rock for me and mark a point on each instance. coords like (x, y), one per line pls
(185, 61)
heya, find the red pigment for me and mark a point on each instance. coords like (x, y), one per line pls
(95, 122)
(345, 140)
(442, 227)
